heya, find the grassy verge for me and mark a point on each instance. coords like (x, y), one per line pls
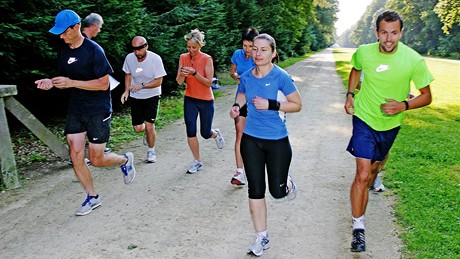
(424, 166)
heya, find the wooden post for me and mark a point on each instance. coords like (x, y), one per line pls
(7, 162)
(36, 127)
(8, 167)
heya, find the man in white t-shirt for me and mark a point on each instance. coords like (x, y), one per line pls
(144, 74)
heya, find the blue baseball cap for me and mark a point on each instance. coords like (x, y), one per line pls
(64, 19)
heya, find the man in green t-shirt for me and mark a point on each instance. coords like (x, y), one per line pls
(390, 66)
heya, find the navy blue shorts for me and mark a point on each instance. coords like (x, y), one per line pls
(97, 126)
(370, 144)
(144, 110)
(193, 107)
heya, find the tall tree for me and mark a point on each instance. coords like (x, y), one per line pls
(448, 12)
(365, 27)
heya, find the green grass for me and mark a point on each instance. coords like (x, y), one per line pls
(292, 61)
(424, 166)
(121, 130)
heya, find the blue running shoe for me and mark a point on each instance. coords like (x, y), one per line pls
(88, 205)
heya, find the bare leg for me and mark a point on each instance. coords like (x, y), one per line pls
(240, 122)
(76, 144)
(258, 209)
(359, 193)
(151, 134)
(149, 129)
(195, 146)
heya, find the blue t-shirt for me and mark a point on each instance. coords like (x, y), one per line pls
(242, 64)
(87, 62)
(265, 124)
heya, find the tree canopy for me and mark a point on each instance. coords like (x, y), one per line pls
(28, 51)
(431, 27)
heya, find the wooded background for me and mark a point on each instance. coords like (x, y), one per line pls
(28, 50)
(431, 27)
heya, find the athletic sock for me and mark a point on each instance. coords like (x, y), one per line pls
(262, 234)
(358, 223)
(152, 149)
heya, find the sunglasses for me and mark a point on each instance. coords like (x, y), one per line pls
(140, 47)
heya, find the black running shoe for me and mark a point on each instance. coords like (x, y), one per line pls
(358, 243)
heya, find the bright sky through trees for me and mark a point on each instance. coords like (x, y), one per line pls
(349, 13)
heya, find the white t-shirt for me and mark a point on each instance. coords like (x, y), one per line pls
(143, 72)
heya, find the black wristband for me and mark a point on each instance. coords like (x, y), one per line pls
(273, 105)
(352, 94)
(407, 104)
(236, 104)
(194, 73)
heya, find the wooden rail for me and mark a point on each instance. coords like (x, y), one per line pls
(9, 172)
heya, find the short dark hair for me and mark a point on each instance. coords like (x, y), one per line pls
(388, 16)
(249, 34)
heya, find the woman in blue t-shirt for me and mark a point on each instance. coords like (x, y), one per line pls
(241, 62)
(265, 144)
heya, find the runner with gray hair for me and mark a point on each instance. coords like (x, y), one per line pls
(92, 25)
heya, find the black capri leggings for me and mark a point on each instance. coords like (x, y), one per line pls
(276, 155)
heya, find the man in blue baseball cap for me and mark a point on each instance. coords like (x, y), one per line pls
(64, 19)
(84, 70)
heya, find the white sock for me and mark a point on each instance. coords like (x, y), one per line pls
(358, 223)
(262, 234)
(240, 170)
(152, 149)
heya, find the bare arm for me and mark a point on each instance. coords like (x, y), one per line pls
(240, 100)
(180, 78)
(99, 84)
(125, 95)
(353, 81)
(393, 107)
(154, 83)
(293, 103)
(233, 73)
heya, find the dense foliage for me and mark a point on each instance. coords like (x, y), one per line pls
(431, 27)
(28, 51)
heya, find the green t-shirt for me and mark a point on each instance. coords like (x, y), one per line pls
(387, 76)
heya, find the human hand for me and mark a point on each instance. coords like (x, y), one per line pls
(62, 82)
(349, 106)
(135, 88)
(124, 97)
(234, 112)
(392, 107)
(187, 71)
(260, 103)
(44, 84)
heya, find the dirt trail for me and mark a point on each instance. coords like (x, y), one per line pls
(166, 213)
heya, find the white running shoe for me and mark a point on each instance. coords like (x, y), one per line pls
(151, 157)
(260, 244)
(378, 186)
(220, 142)
(292, 192)
(238, 178)
(128, 170)
(195, 167)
